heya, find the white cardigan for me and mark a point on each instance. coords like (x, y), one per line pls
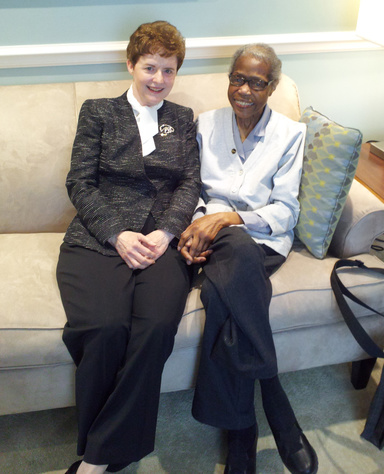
(267, 183)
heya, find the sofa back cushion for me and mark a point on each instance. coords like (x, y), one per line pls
(201, 92)
(37, 128)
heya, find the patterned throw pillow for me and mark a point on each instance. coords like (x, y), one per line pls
(330, 159)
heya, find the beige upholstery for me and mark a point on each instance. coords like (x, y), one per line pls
(37, 127)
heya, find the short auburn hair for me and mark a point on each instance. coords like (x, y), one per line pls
(159, 37)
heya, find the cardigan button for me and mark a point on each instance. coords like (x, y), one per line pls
(233, 151)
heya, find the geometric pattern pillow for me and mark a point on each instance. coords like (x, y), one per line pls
(331, 155)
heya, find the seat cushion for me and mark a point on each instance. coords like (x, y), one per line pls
(31, 313)
(302, 295)
(32, 316)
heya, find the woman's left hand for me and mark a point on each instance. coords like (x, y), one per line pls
(161, 239)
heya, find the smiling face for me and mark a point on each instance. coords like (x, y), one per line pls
(249, 104)
(153, 78)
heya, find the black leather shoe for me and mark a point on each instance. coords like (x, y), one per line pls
(75, 466)
(296, 452)
(241, 460)
(245, 464)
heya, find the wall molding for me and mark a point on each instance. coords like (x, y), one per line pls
(74, 54)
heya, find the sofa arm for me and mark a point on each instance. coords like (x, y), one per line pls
(361, 222)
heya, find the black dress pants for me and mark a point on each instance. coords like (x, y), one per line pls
(236, 283)
(120, 331)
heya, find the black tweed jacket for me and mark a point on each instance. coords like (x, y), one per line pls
(114, 188)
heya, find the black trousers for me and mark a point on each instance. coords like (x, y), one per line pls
(120, 331)
(236, 283)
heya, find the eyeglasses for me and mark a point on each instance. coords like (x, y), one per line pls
(255, 83)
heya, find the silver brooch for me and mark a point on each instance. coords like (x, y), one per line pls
(165, 130)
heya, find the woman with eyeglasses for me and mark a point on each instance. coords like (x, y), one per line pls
(251, 161)
(134, 181)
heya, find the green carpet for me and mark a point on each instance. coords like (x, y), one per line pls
(329, 410)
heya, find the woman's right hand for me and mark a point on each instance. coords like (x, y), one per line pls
(198, 236)
(135, 249)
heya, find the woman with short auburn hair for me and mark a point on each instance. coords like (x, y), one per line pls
(134, 181)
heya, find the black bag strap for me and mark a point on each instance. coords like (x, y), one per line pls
(374, 427)
(352, 322)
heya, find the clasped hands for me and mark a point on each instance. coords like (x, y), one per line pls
(140, 251)
(196, 239)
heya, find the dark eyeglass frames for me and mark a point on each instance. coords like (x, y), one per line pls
(254, 83)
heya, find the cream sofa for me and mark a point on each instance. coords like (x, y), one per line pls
(37, 127)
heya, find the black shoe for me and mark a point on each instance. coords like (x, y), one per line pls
(241, 460)
(295, 451)
(245, 464)
(75, 466)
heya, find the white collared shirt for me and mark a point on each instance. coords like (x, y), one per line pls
(146, 119)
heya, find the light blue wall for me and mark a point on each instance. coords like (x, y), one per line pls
(348, 87)
(65, 21)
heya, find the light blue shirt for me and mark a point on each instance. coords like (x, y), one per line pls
(245, 148)
(261, 186)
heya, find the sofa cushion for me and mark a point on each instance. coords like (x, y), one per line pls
(31, 313)
(330, 160)
(32, 316)
(37, 127)
(188, 89)
(302, 285)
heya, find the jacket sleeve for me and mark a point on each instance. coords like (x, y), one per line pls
(93, 209)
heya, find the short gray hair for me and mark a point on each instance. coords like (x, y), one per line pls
(262, 52)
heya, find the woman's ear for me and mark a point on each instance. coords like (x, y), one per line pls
(273, 87)
(130, 67)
